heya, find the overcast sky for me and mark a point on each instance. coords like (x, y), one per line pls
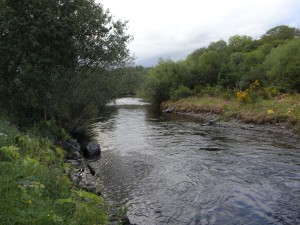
(174, 28)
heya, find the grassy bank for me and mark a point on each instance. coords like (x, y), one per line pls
(34, 185)
(283, 108)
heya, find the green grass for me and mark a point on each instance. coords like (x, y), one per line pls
(34, 187)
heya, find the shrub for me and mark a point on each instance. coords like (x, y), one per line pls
(243, 96)
(9, 153)
(89, 208)
(50, 130)
(209, 91)
(181, 92)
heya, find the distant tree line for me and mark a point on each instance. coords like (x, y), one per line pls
(56, 59)
(274, 60)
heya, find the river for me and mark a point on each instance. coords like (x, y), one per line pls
(170, 169)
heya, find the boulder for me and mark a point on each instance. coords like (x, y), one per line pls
(73, 155)
(74, 145)
(73, 148)
(168, 110)
(92, 149)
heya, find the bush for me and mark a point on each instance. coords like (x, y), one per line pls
(212, 91)
(243, 96)
(9, 153)
(181, 92)
(49, 129)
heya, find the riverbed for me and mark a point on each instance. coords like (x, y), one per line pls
(170, 169)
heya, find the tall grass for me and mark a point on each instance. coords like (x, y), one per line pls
(284, 108)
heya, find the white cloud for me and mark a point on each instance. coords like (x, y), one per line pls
(174, 28)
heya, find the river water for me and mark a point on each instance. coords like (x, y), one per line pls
(170, 169)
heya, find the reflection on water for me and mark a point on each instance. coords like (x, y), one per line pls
(168, 169)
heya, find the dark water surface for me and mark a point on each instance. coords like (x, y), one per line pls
(168, 169)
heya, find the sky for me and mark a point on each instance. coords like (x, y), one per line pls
(172, 29)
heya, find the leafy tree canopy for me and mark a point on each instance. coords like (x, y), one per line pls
(283, 65)
(44, 44)
(240, 43)
(280, 33)
(273, 60)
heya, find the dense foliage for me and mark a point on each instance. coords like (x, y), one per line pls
(273, 60)
(54, 59)
(34, 186)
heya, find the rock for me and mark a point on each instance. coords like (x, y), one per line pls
(157, 210)
(168, 110)
(92, 149)
(72, 147)
(125, 221)
(74, 177)
(74, 155)
(209, 123)
(76, 163)
(89, 188)
(91, 168)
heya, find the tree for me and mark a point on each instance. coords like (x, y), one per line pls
(278, 34)
(163, 79)
(128, 79)
(210, 65)
(283, 65)
(193, 59)
(231, 73)
(44, 44)
(219, 46)
(240, 43)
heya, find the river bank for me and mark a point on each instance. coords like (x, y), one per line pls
(280, 115)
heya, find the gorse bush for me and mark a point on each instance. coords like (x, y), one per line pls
(243, 96)
(255, 92)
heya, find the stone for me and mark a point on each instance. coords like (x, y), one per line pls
(89, 188)
(73, 155)
(73, 145)
(92, 149)
(157, 210)
(209, 123)
(91, 168)
(125, 221)
(168, 110)
(75, 178)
